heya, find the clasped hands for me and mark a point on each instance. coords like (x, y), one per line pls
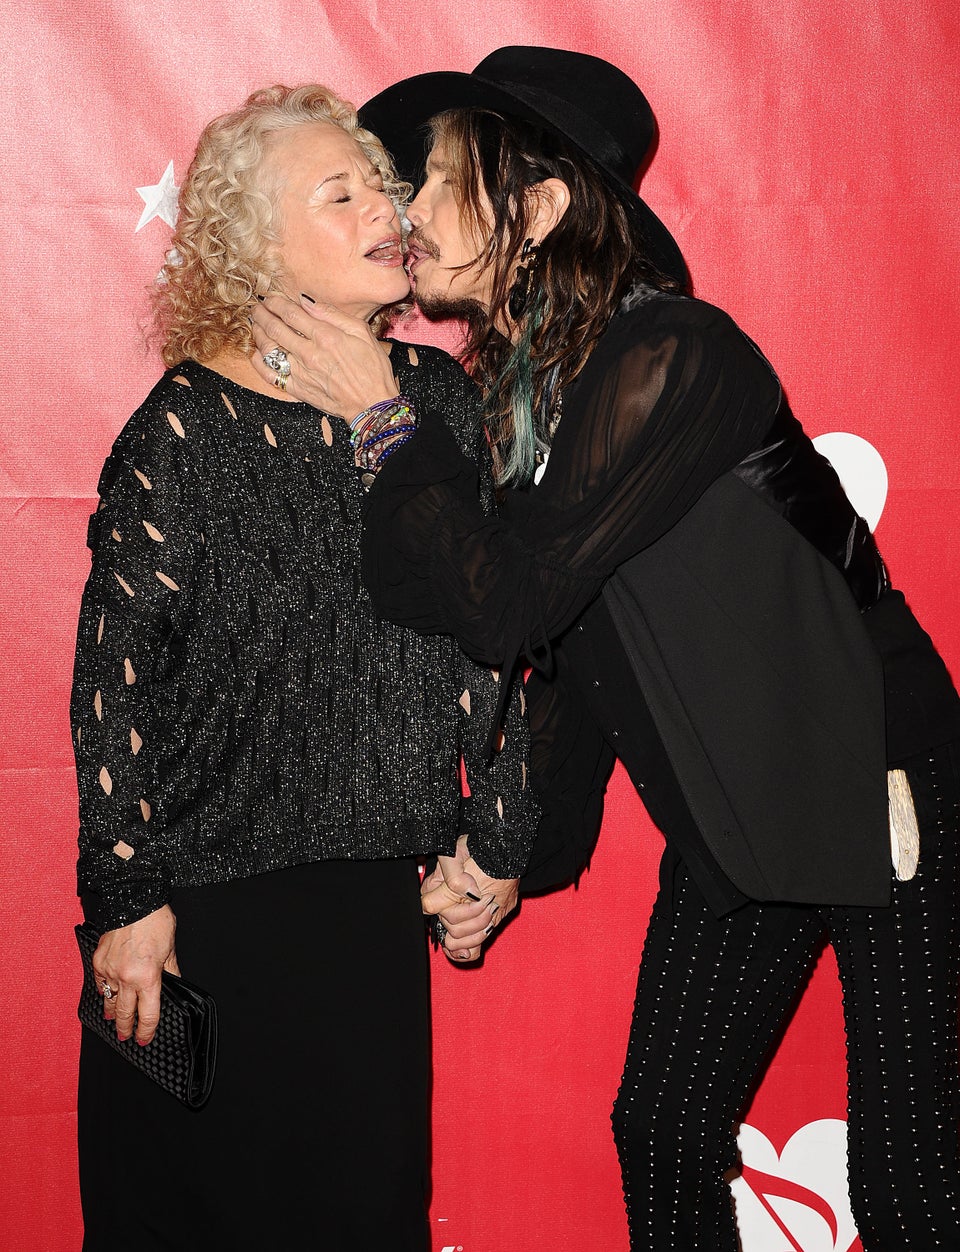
(468, 902)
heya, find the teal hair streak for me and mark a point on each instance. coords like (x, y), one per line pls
(513, 390)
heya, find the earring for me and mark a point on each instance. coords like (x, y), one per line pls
(520, 291)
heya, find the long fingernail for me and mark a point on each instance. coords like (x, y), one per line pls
(471, 896)
(489, 928)
(494, 908)
(309, 299)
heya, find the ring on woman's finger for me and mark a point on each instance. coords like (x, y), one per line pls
(281, 381)
(439, 932)
(107, 991)
(276, 359)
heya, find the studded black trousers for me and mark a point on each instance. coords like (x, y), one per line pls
(713, 997)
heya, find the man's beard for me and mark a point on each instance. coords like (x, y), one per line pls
(449, 308)
(442, 308)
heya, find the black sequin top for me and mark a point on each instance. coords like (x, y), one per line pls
(237, 705)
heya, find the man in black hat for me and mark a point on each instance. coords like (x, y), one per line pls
(697, 597)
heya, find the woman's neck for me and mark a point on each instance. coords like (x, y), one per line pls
(236, 366)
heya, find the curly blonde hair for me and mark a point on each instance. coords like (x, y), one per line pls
(223, 253)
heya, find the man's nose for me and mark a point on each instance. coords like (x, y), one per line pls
(418, 211)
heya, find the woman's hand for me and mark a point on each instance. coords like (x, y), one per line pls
(468, 902)
(130, 961)
(336, 363)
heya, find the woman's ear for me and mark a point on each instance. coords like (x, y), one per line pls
(549, 201)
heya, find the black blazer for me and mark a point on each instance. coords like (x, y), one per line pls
(768, 693)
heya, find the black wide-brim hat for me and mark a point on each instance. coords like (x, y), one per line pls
(587, 101)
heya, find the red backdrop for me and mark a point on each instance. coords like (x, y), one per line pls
(807, 165)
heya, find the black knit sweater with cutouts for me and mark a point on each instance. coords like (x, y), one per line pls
(237, 705)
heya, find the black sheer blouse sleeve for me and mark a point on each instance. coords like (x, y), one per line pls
(673, 396)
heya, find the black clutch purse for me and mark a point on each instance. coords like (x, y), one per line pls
(182, 1054)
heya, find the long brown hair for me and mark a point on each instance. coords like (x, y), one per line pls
(582, 270)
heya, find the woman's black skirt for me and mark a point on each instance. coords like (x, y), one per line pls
(315, 1136)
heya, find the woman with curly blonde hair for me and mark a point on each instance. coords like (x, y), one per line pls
(262, 764)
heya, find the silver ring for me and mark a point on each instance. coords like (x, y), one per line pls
(107, 991)
(276, 359)
(439, 932)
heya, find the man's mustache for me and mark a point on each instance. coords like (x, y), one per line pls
(417, 242)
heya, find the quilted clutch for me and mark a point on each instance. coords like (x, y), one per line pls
(182, 1054)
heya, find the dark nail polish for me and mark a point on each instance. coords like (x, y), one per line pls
(494, 908)
(489, 928)
(471, 896)
(309, 299)
(260, 298)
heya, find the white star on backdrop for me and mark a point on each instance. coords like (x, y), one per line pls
(160, 200)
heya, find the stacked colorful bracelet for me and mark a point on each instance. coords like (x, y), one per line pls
(379, 431)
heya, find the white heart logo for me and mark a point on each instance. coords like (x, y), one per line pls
(860, 469)
(797, 1201)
